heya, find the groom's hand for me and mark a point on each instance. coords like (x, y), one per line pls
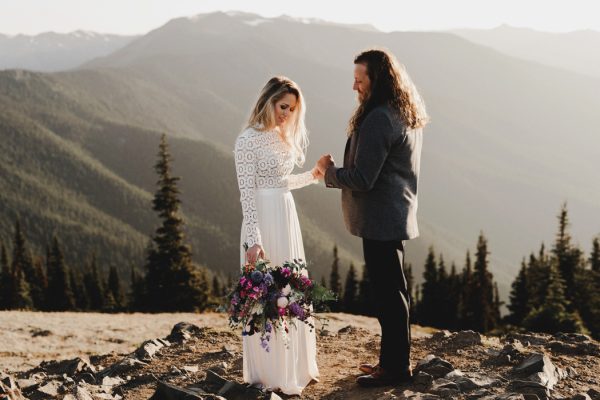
(325, 162)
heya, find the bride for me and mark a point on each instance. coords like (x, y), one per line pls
(275, 140)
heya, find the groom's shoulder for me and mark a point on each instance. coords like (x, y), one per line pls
(384, 114)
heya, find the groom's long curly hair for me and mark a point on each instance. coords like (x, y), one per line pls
(391, 85)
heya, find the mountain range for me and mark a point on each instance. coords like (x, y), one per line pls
(509, 139)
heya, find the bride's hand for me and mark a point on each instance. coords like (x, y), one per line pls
(316, 173)
(254, 253)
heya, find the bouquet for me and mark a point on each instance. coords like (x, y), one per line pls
(267, 298)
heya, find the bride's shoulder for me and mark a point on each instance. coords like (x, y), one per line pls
(248, 133)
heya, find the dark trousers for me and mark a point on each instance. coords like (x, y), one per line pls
(391, 301)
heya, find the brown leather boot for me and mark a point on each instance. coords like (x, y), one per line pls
(380, 377)
(367, 368)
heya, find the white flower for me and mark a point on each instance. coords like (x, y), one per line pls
(286, 290)
(257, 309)
(282, 302)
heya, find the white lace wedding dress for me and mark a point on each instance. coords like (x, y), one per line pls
(264, 163)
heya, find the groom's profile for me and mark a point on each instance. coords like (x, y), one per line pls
(379, 181)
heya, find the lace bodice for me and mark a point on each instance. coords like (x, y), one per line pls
(263, 161)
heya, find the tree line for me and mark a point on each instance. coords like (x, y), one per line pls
(169, 280)
(556, 290)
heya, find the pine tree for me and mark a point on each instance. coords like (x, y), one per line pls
(82, 301)
(115, 290)
(484, 316)
(569, 257)
(365, 294)
(554, 315)
(94, 285)
(465, 310)
(497, 304)
(453, 302)
(59, 296)
(40, 283)
(172, 281)
(538, 272)
(21, 266)
(595, 255)
(428, 305)
(5, 279)
(410, 282)
(350, 301)
(335, 282)
(136, 291)
(519, 305)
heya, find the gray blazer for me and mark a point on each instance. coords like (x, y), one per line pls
(379, 178)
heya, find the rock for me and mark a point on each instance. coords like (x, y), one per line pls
(440, 335)
(510, 353)
(148, 349)
(526, 339)
(273, 396)
(87, 378)
(478, 394)
(183, 331)
(82, 393)
(422, 380)
(235, 391)
(50, 388)
(108, 381)
(578, 349)
(213, 379)
(191, 368)
(539, 369)
(594, 394)
(347, 329)
(529, 387)
(571, 372)
(9, 388)
(444, 388)
(27, 384)
(572, 337)
(39, 332)
(581, 396)
(434, 366)
(472, 381)
(410, 395)
(69, 367)
(166, 391)
(127, 364)
(464, 339)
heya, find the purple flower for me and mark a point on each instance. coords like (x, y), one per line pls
(286, 272)
(296, 310)
(268, 279)
(256, 276)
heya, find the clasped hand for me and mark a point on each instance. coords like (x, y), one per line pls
(321, 166)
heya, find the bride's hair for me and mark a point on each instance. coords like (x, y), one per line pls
(391, 85)
(262, 117)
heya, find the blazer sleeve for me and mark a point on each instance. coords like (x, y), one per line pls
(375, 140)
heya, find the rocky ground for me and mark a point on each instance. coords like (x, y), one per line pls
(204, 361)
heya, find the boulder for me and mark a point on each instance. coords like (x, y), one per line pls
(434, 366)
(464, 339)
(183, 331)
(538, 368)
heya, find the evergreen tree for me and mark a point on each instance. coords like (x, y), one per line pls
(216, 287)
(595, 255)
(568, 257)
(412, 312)
(22, 271)
(335, 282)
(5, 279)
(365, 294)
(323, 281)
(430, 296)
(554, 315)
(136, 291)
(484, 315)
(465, 310)
(172, 281)
(350, 301)
(40, 282)
(497, 304)
(94, 285)
(82, 301)
(115, 289)
(453, 302)
(538, 272)
(59, 296)
(519, 297)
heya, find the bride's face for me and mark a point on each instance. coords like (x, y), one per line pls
(284, 109)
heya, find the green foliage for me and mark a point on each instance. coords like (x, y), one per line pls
(335, 280)
(59, 296)
(172, 281)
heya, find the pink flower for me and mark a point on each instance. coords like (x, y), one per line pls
(282, 311)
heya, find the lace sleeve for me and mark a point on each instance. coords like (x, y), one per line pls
(298, 181)
(245, 165)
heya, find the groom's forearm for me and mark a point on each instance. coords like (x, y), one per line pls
(347, 178)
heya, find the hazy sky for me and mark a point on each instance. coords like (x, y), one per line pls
(141, 16)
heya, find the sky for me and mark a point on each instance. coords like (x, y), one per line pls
(140, 16)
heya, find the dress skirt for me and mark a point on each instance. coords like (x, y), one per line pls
(286, 368)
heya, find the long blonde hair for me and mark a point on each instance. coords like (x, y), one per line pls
(262, 117)
(391, 85)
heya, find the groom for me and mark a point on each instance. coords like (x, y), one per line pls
(379, 198)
